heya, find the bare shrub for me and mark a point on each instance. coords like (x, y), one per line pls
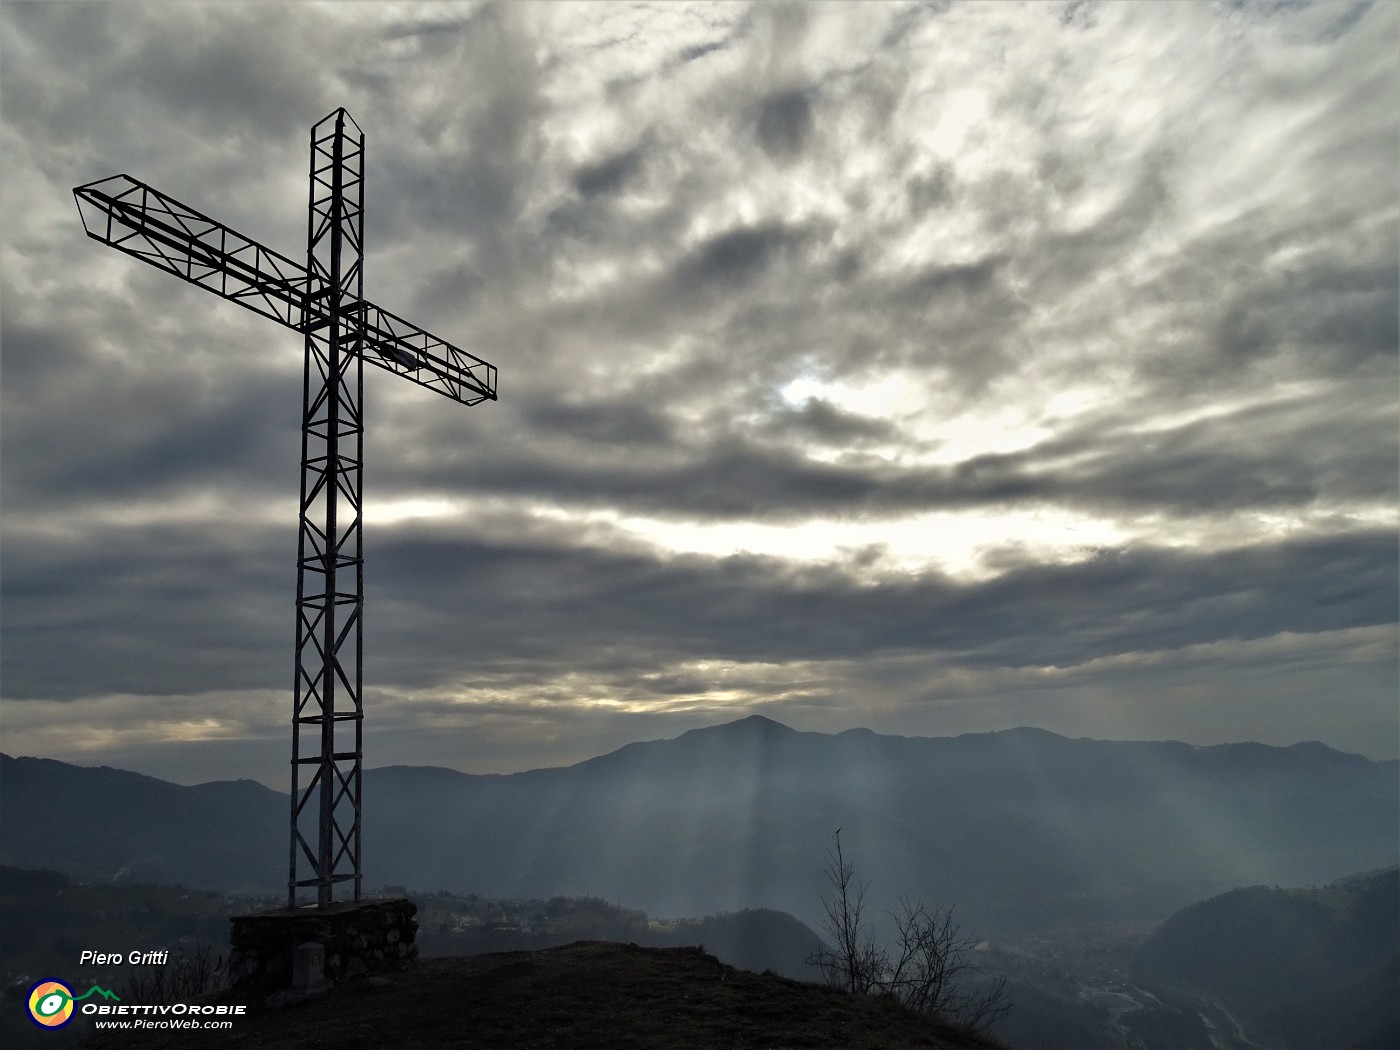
(928, 967)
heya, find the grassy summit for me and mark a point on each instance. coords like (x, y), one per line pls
(589, 995)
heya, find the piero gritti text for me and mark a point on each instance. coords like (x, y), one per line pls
(157, 957)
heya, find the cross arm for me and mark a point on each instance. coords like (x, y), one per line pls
(143, 222)
(403, 348)
(157, 229)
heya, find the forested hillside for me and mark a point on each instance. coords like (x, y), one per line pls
(1306, 969)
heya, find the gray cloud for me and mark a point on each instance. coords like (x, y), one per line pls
(736, 256)
(539, 607)
(610, 174)
(1126, 266)
(747, 608)
(785, 121)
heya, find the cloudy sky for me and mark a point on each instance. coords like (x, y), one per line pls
(936, 368)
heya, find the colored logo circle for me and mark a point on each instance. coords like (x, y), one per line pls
(51, 1004)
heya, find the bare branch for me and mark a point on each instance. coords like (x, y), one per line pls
(929, 967)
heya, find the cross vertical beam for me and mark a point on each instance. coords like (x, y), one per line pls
(325, 304)
(328, 714)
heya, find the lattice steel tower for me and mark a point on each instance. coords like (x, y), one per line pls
(325, 301)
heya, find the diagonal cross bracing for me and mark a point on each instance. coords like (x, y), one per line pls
(323, 299)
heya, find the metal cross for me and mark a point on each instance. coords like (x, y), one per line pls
(325, 301)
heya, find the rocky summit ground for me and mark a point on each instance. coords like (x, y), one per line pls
(585, 996)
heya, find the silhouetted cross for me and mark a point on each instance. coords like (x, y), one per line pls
(325, 301)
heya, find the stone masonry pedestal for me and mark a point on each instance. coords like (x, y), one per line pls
(303, 950)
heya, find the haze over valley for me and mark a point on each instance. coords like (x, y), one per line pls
(1063, 854)
(1020, 829)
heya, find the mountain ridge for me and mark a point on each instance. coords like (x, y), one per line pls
(1014, 827)
(762, 723)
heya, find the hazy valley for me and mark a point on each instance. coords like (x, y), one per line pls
(1067, 855)
(1021, 830)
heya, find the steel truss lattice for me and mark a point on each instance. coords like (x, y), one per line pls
(324, 300)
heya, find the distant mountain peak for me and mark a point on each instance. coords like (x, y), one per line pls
(750, 725)
(1024, 733)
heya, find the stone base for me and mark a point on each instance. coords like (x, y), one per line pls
(275, 951)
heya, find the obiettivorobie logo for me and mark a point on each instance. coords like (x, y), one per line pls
(51, 1002)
